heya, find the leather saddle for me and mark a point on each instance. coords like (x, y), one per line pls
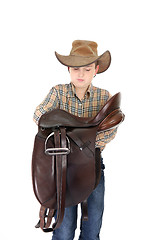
(65, 163)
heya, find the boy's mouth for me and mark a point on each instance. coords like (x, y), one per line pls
(80, 80)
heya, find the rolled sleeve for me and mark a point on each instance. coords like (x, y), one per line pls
(105, 137)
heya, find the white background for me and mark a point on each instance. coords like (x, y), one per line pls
(30, 32)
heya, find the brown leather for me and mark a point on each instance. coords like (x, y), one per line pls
(112, 120)
(68, 178)
(50, 215)
(42, 214)
(84, 210)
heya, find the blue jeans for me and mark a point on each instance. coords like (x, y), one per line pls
(90, 229)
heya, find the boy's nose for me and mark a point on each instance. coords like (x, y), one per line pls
(81, 72)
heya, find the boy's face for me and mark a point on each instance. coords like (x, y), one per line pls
(82, 77)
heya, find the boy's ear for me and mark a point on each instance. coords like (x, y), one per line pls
(97, 68)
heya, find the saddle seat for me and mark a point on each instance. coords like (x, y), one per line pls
(66, 119)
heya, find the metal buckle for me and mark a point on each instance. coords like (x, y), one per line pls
(56, 151)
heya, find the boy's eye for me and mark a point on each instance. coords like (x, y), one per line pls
(76, 68)
(88, 69)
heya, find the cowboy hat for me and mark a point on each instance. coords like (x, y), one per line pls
(84, 53)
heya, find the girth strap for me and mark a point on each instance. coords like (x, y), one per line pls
(84, 210)
(61, 166)
(43, 216)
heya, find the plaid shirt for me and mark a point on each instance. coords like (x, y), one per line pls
(64, 96)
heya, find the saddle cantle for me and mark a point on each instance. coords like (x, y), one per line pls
(65, 162)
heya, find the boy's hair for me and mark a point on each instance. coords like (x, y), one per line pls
(96, 64)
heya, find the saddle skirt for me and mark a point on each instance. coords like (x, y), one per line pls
(65, 163)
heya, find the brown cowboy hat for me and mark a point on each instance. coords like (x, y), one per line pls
(84, 53)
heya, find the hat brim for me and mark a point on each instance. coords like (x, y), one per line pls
(104, 60)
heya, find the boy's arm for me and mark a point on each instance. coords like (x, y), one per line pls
(50, 102)
(105, 137)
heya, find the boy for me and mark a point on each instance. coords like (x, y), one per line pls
(82, 99)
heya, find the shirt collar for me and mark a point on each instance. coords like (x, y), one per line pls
(72, 90)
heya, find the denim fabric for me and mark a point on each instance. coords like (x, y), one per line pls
(90, 229)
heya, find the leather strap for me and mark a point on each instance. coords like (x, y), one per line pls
(42, 214)
(82, 145)
(84, 210)
(50, 215)
(61, 166)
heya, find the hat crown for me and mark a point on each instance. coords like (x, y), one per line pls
(84, 48)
